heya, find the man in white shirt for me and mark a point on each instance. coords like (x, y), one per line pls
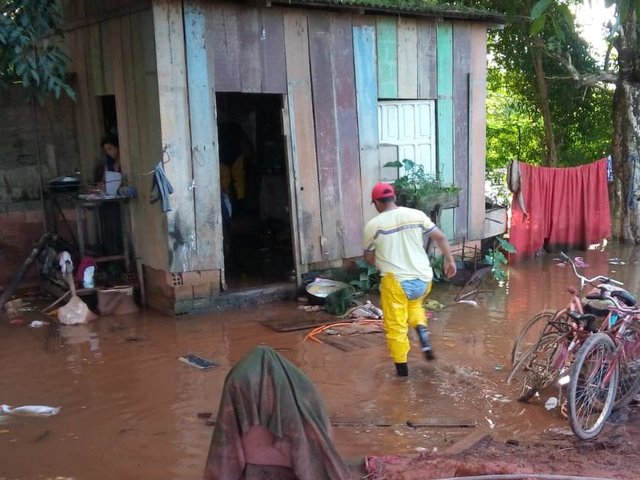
(394, 243)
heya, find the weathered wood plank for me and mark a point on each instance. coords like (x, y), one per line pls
(293, 197)
(204, 138)
(227, 53)
(96, 64)
(174, 119)
(274, 72)
(303, 145)
(461, 68)
(347, 130)
(324, 102)
(445, 115)
(148, 225)
(87, 135)
(407, 58)
(477, 129)
(364, 47)
(107, 71)
(427, 47)
(387, 54)
(249, 35)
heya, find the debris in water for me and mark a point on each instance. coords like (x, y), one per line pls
(551, 403)
(30, 410)
(469, 302)
(197, 361)
(617, 261)
(490, 422)
(38, 324)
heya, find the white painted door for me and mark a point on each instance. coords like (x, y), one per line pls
(407, 130)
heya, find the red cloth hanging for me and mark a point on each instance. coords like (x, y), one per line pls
(566, 208)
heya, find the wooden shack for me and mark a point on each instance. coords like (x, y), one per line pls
(326, 92)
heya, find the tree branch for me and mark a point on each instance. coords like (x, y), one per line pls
(585, 79)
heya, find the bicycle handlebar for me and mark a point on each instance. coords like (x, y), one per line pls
(583, 279)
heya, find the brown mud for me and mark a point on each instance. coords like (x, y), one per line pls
(130, 408)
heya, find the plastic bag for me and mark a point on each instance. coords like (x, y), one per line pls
(30, 410)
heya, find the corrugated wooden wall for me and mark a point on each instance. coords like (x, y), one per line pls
(117, 57)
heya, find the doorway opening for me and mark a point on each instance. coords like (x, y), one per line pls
(255, 191)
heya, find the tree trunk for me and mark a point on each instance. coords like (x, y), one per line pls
(625, 194)
(537, 51)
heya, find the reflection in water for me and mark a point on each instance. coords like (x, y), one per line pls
(129, 407)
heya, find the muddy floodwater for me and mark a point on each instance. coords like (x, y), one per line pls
(130, 408)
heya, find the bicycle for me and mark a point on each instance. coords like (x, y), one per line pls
(606, 372)
(561, 336)
(535, 326)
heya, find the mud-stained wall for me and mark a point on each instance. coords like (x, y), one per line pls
(26, 133)
(37, 143)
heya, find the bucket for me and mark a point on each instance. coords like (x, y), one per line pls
(112, 182)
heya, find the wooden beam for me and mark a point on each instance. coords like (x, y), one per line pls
(461, 69)
(303, 145)
(176, 135)
(204, 137)
(477, 130)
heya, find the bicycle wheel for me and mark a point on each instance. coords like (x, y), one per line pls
(535, 370)
(592, 386)
(628, 367)
(530, 333)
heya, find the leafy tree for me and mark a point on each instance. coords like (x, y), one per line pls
(625, 43)
(536, 112)
(31, 48)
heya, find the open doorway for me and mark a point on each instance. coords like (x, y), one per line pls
(253, 175)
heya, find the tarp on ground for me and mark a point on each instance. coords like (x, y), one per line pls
(565, 208)
(265, 389)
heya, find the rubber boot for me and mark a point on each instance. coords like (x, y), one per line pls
(425, 343)
(402, 369)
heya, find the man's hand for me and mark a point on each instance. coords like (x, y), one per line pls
(450, 268)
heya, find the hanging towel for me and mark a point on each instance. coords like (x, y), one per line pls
(567, 208)
(161, 188)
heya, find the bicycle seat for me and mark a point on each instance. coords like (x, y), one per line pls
(628, 299)
(603, 292)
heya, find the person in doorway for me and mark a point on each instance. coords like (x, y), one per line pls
(394, 243)
(111, 148)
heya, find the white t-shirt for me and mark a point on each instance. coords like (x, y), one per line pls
(397, 238)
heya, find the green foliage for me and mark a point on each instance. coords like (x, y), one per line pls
(581, 116)
(31, 47)
(437, 265)
(498, 260)
(416, 185)
(369, 277)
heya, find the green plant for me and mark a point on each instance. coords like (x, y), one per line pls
(416, 185)
(437, 265)
(497, 259)
(369, 277)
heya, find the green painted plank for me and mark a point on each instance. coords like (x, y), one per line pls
(444, 110)
(387, 43)
(364, 51)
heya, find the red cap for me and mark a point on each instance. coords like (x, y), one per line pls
(382, 190)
